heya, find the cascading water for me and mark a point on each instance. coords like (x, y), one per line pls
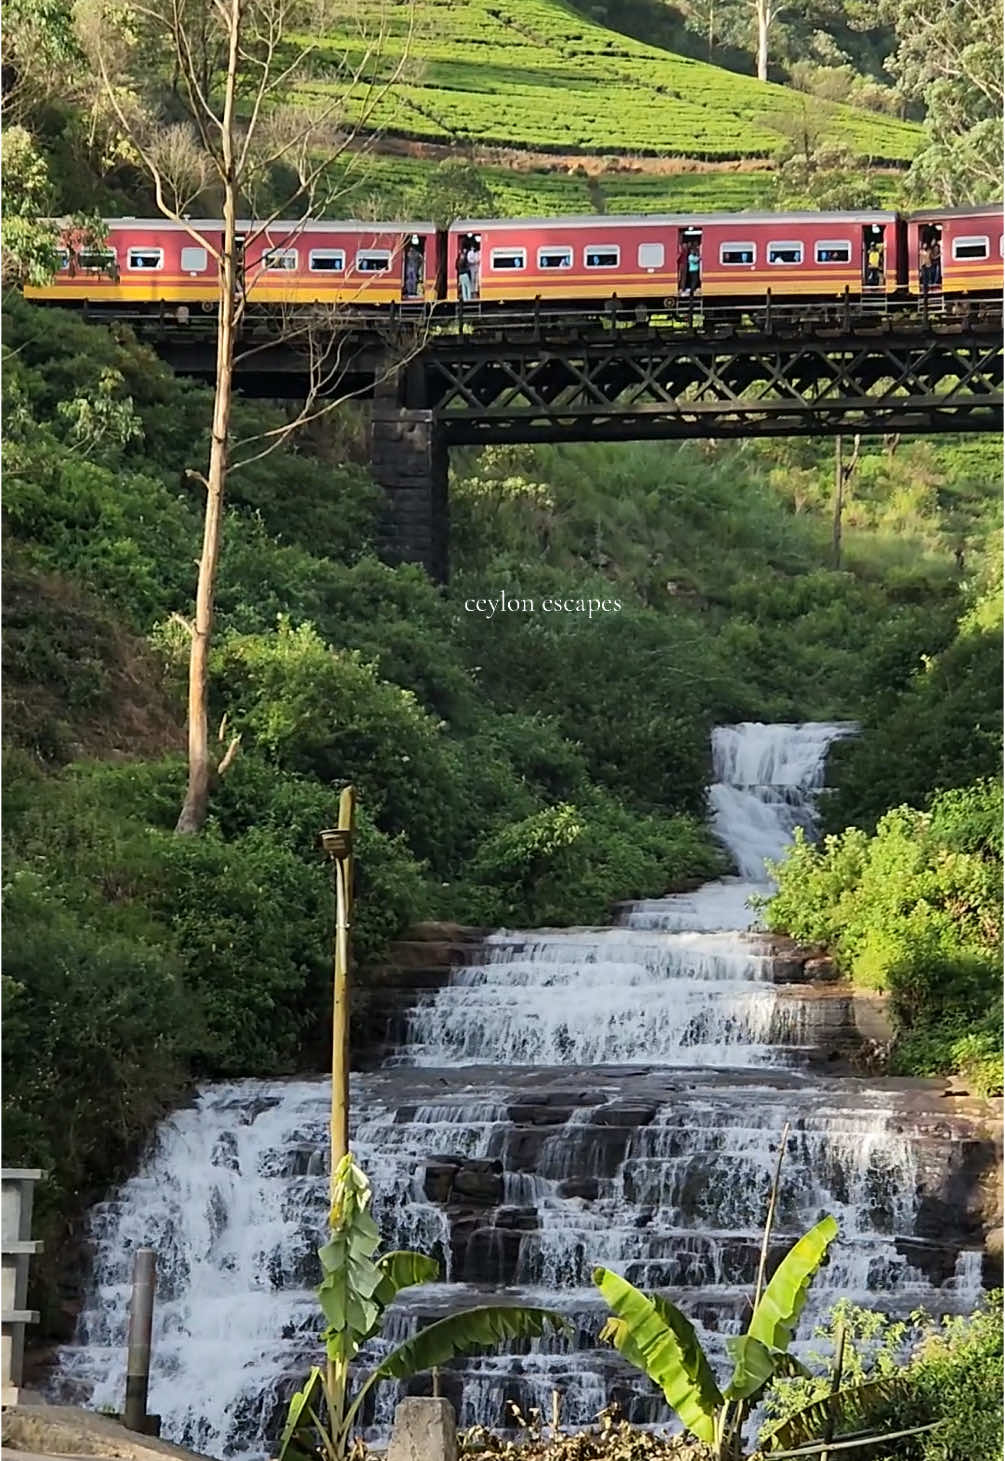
(587, 1096)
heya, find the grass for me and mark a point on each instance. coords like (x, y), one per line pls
(391, 183)
(534, 74)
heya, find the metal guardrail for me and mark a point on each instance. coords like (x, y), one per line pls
(18, 1194)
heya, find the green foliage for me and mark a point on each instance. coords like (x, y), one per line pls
(952, 1375)
(950, 58)
(655, 1337)
(915, 910)
(551, 80)
(354, 1294)
(456, 189)
(943, 730)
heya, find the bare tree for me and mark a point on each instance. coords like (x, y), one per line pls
(766, 12)
(278, 99)
(843, 472)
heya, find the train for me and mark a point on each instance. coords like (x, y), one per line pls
(728, 260)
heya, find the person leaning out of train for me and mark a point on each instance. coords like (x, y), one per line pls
(874, 263)
(936, 264)
(463, 271)
(693, 276)
(475, 266)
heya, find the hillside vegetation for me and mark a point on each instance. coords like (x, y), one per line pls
(524, 771)
(536, 74)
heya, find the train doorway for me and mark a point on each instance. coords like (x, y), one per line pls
(874, 257)
(930, 259)
(413, 276)
(689, 261)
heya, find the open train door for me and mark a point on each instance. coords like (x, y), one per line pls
(413, 267)
(874, 263)
(689, 262)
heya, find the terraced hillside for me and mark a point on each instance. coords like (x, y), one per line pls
(572, 117)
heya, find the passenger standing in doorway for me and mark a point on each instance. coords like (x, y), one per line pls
(463, 271)
(682, 266)
(925, 267)
(693, 277)
(413, 267)
(475, 266)
(936, 264)
(874, 263)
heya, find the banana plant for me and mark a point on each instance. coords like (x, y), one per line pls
(356, 1289)
(654, 1335)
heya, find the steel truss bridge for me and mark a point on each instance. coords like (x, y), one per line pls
(444, 379)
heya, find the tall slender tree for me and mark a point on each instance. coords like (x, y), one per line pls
(257, 108)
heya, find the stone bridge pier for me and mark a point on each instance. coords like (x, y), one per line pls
(408, 456)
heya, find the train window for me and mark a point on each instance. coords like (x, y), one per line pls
(62, 260)
(193, 260)
(283, 259)
(738, 253)
(785, 253)
(602, 256)
(146, 258)
(373, 261)
(971, 248)
(509, 258)
(331, 261)
(833, 251)
(103, 260)
(651, 256)
(554, 258)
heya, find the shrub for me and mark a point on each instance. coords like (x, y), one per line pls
(914, 910)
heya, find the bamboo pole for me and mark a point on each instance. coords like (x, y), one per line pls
(343, 866)
(835, 1388)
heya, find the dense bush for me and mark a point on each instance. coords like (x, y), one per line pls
(914, 909)
(950, 1371)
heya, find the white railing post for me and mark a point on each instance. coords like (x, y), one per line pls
(18, 1193)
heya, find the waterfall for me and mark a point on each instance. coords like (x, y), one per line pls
(580, 1096)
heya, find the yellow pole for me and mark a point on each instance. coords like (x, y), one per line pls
(340, 1010)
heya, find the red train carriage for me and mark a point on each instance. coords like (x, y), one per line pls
(150, 261)
(956, 251)
(739, 257)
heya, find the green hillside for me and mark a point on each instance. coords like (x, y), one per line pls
(533, 74)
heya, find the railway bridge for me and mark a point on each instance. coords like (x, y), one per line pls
(616, 375)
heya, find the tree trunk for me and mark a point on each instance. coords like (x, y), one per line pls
(192, 816)
(838, 501)
(763, 23)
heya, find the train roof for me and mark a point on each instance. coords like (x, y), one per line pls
(969, 210)
(601, 220)
(290, 225)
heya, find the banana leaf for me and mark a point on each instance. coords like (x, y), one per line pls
(293, 1443)
(400, 1270)
(777, 1314)
(481, 1328)
(654, 1336)
(858, 1404)
(754, 1365)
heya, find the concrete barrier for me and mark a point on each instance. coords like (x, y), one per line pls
(18, 1193)
(424, 1430)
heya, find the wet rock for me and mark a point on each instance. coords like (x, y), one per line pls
(622, 1114)
(480, 1182)
(585, 1187)
(439, 1180)
(821, 970)
(225, 1152)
